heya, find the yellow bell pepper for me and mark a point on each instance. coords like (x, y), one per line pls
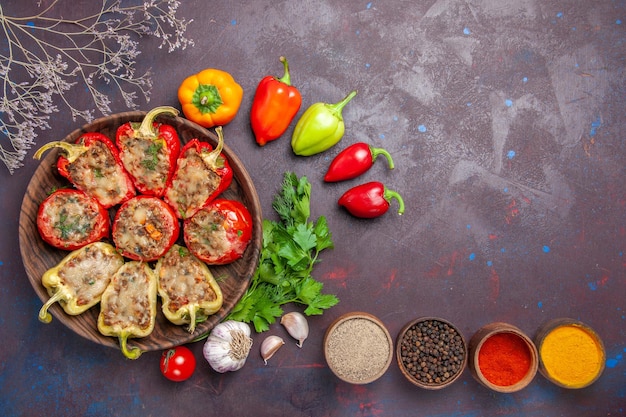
(129, 305)
(78, 281)
(210, 98)
(188, 290)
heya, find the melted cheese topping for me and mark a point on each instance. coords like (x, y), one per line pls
(192, 185)
(71, 218)
(129, 302)
(207, 237)
(144, 227)
(89, 272)
(146, 160)
(183, 279)
(97, 173)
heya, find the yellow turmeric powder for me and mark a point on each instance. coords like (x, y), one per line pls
(572, 356)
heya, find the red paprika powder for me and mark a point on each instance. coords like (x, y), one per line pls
(504, 359)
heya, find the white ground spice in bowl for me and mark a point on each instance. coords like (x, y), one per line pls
(358, 348)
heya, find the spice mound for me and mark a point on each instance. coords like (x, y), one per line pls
(431, 353)
(504, 359)
(358, 348)
(571, 354)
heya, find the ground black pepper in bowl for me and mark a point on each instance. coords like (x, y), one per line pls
(431, 352)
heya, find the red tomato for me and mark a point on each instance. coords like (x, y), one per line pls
(219, 233)
(69, 219)
(178, 364)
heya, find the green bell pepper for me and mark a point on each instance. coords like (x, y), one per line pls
(320, 127)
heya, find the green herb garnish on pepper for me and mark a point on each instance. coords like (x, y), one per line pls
(290, 249)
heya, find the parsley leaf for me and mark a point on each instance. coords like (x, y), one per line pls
(290, 249)
(152, 156)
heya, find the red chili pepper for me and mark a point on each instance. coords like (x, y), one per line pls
(202, 173)
(219, 233)
(94, 166)
(353, 161)
(149, 151)
(370, 200)
(275, 104)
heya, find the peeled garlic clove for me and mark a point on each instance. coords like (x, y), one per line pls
(296, 326)
(269, 346)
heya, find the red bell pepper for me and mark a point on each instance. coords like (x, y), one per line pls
(145, 228)
(219, 233)
(149, 151)
(94, 166)
(370, 200)
(275, 104)
(69, 219)
(353, 161)
(202, 173)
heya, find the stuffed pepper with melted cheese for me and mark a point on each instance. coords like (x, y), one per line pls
(128, 306)
(188, 290)
(79, 280)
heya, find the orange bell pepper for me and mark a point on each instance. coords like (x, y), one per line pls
(210, 98)
(275, 104)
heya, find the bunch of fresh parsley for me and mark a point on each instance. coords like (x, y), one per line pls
(290, 250)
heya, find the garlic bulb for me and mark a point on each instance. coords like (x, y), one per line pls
(269, 346)
(296, 326)
(227, 347)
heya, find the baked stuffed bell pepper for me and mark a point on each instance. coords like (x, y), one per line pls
(94, 166)
(69, 219)
(78, 281)
(149, 150)
(188, 290)
(202, 174)
(220, 232)
(144, 228)
(129, 305)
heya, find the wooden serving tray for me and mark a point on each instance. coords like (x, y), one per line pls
(38, 256)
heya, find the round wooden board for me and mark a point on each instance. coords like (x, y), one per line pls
(38, 256)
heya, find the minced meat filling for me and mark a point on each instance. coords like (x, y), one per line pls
(72, 218)
(193, 184)
(143, 227)
(97, 173)
(129, 304)
(206, 236)
(183, 278)
(89, 273)
(145, 160)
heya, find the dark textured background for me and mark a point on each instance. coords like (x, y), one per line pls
(506, 122)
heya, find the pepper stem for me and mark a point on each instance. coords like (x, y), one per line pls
(389, 194)
(380, 151)
(192, 318)
(132, 353)
(44, 315)
(286, 79)
(146, 129)
(73, 151)
(210, 159)
(338, 107)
